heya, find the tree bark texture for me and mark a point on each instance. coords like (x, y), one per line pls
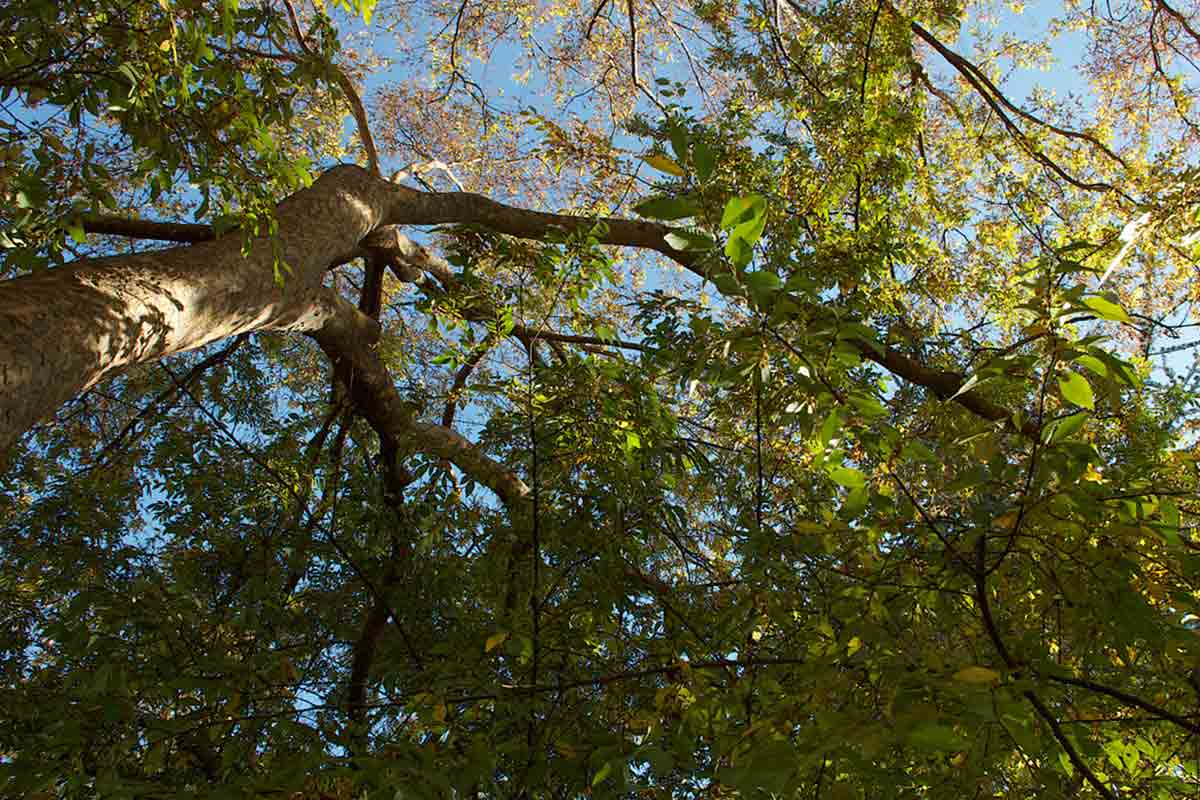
(63, 330)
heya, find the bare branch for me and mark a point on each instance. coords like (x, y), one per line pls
(147, 229)
(1127, 699)
(595, 16)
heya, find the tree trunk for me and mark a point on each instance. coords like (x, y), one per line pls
(64, 329)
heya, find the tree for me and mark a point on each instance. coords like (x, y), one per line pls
(789, 408)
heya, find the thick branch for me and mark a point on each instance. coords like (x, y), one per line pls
(419, 208)
(110, 313)
(146, 229)
(942, 383)
(374, 394)
(412, 207)
(364, 656)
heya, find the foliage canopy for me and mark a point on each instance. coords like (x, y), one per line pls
(862, 464)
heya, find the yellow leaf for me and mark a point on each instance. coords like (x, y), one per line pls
(664, 164)
(494, 641)
(1005, 521)
(439, 712)
(977, 675)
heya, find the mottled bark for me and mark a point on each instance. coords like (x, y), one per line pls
(64, 329)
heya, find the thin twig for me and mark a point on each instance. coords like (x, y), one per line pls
(347, 86)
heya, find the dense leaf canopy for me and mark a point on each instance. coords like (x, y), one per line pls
(789, 399)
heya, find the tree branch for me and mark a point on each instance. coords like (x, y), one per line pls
(147, 229)
(389, 204)
(375, 397)
(998, 103)
(439, 208)
(1127, 699)
(985, 609)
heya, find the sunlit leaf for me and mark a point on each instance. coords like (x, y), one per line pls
(1106, 309)
(848, 477)
(668, 208)
(740, 210)
(1064, 428)
(1075, 388)
(664, 164)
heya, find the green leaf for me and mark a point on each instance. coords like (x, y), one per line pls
(1064, 428)
(867, 406)
(739, 252)
(1106, 309)
(679, 142)
(829, 428)
(667, 208)
(1092, 363)
(1075, 388)
(1122, 370)
(848, 477)
(751, 230)
(704, 159)
(762, 283)
(74, 227)
(977, 675)
(935, 736)
(728, 284)
(1170, 512)
(967, 385)
(856, 501)
(741, 209)
(602, 773)
(689, 240)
